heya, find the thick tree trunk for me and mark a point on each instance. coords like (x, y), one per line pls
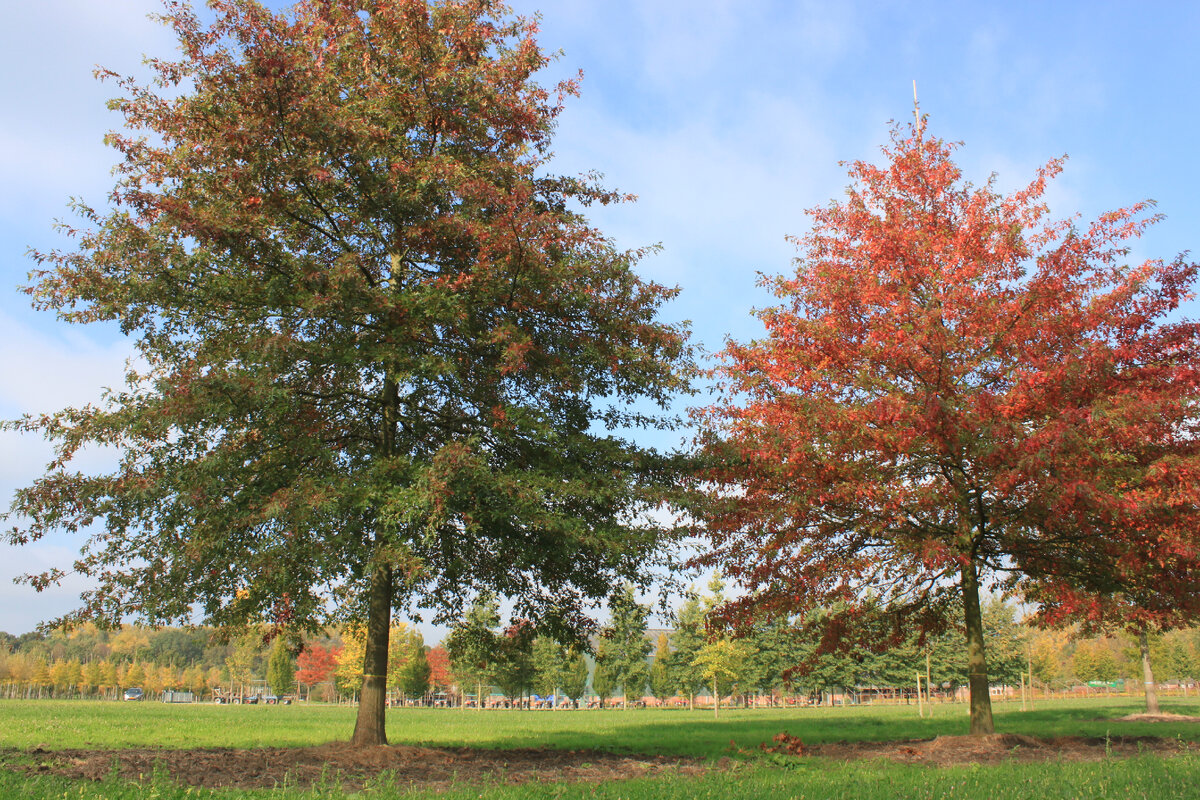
(369, 727)
(977, 677)
(1148, 674)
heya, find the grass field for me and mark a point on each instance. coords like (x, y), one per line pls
(67, 725)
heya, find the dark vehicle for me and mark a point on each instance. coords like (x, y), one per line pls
(134, 694)
(270, 699)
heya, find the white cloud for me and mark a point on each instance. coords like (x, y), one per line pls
(54, 114)
(48, 371)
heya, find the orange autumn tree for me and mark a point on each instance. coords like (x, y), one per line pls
(955, 392)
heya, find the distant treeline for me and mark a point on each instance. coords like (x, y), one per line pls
(481, 657)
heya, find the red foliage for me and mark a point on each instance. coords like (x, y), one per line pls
(316, 664)
(957, 391)
(786, 744)
(439, 667)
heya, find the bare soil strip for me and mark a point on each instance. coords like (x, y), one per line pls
(339, 764)
(1001, 747)
(1157, 718)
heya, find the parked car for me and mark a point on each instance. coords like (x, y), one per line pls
(270, 699)
(134, 694)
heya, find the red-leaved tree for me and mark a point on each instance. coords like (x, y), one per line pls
(955, 392)
(316, 664)
(439, 667)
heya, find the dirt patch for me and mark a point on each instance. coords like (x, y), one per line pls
(1157, 718)
(339, 764)
(1001, 747)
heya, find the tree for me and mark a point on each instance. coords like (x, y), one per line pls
(954, 393)
(349, 674)
(549, 660)
(575, 678)
(439, 668)
(281, 669)
(382, 349)
(411, 667)
(243, 663)
(721, 662)
(135, 675)
(604, 681)
(1094, 661)
(473, 646)
(514, 670)
(662, 681)
(686, 642)
(1006, 641)
(93, 676)
(316, 664)
(627, 644)
(773, 652)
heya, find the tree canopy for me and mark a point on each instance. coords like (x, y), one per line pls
(956, 391)
(383, 360)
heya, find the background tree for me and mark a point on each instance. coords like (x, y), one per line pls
(628, 645)
(772, 653)
(244, 662)
(662, 681)
(575, 677)
(604, 680)
(316, 664)
(721, 662)
(135, 675)
(514, 671)
(939, 402)
(380, 347)
(473, 646)
(281, 668)
(1007, 641)
(686, 641)
(411, 666)
(1094, 661)
(549, 659)
(439, 668)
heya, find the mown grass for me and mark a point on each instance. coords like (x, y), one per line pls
(62, 725)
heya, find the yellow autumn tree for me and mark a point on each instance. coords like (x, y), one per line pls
(349, 672)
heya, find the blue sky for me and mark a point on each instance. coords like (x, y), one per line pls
(727, 119)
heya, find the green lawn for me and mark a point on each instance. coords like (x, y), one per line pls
(51, 725)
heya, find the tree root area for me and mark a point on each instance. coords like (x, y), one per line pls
(1001, 747)
(348, 768)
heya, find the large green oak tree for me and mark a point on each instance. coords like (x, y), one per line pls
(383, 360)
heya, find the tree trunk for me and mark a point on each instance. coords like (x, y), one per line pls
(716, 699)
(977, 677)
(369, 727)
(1148, 674)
